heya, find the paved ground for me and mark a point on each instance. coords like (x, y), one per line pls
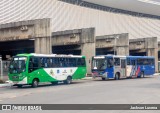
(5, 78)
(126, 91)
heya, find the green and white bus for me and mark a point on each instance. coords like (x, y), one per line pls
(31, 69)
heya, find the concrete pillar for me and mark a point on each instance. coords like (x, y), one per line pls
(151, 45)
(122, 44)
(122, 50)
(88, 49)
(43, 36)
(88, 46)
(154, 52)
(42, 45)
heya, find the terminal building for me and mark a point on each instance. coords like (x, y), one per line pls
(80, 27)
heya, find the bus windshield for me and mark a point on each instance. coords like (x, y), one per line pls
(17, 65)
(99, 64)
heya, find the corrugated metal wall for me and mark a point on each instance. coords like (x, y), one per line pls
(67, 16)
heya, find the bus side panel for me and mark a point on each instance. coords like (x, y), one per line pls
(80, 73)
(60, 74)
(117, 69)
(41, 75)
(149, 70)
(131, 70)
(110, 72)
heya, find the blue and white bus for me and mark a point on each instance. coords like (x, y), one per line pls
(116, 67)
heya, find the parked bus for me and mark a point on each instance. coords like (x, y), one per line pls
(31, 69)
(116, 67)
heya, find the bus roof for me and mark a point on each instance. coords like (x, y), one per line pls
(140, 56)
(50, 55)
(115, 56)
(103, 56)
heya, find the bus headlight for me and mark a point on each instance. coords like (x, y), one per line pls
(105, 75)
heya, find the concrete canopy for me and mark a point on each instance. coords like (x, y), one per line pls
(142, 6)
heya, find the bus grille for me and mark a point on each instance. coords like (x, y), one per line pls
(15, 77)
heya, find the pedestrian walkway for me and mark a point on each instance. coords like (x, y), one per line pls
(5, 77)
(157, 74)
(3, 82)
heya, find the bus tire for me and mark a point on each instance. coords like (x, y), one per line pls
(142, 75)
(103, 78)
(54, 83)
(117, 76)
(68, 80)
(19, 86)
(35, 83)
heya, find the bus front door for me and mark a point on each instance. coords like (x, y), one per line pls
(123, 67)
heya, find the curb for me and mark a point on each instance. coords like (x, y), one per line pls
(87, 78)
(5, 85)
(156, 74)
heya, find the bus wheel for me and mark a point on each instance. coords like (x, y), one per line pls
(19, 86)
(103, 78)
(35, 83)
(68, 80)
(142, 75)
(54, 83)
(117, 76)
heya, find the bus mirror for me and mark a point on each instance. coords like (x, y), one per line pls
(30, 70)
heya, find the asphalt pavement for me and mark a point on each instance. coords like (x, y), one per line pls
(88, 91)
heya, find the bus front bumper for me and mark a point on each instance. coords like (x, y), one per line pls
(22, 82)
(105, 75)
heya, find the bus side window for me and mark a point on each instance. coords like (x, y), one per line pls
(110, 62)
(151, 61)
(56, 62)
(33, 64)
(66, 63)
(45, 63)
(128, 61)
(83, 62)
(48, 62)
(117, 61)
(41, 62)
(72, 62)
(80, 62)
(61, 62)
(123, 63)
(133, 62)
(145, 61)
(140, 61)
(51, 62)
(30, 65)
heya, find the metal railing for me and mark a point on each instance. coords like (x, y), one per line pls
(4, 66)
